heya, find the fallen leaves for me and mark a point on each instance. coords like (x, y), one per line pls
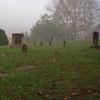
(39, 93)
(74, 93)
(65, 98)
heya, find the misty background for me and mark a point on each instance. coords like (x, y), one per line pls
(45, 20)
(20, 15)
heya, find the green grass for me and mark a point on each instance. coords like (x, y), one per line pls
(58, 72)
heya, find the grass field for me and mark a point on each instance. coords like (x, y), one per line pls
(50, 73)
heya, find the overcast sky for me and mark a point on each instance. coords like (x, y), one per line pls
(20, 15)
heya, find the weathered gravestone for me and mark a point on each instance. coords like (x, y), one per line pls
(64, 43)
(95, 40)
(50, 43)
(17, 39)
(24, 48)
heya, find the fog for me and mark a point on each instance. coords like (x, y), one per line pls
(20, 15)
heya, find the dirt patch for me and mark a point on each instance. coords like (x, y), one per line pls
(17, 69)
(3, 75)
(24, 68)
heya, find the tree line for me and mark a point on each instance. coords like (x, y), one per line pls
(66, 20)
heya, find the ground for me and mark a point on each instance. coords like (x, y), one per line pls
(50, 72)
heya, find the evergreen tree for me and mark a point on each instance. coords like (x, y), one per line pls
(3, 38)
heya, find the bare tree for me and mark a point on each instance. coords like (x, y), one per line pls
(77, 16)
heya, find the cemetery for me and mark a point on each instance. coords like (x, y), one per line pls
(66, 70)
(49, 49)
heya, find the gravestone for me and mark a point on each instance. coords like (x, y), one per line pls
(64, 43)
(50, 43)
(95, 40)
(17, 39)
(24, 48)
(95, 37)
